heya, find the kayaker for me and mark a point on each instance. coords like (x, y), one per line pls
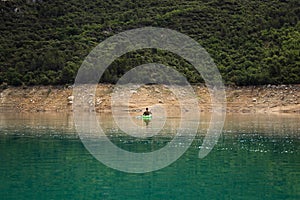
(147, 112)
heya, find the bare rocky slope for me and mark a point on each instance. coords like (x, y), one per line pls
(251, 99)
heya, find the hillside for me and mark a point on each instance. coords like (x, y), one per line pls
(254, 42)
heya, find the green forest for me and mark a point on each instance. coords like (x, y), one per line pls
(253, 42)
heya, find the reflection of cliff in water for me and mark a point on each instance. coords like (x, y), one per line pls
(280, 125)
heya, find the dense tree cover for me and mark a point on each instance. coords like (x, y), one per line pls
(252, 41)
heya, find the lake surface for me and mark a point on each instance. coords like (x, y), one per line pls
(256, 157)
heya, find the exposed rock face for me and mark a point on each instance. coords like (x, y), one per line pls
(270, 98)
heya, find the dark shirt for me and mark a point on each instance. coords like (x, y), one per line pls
(147, 113)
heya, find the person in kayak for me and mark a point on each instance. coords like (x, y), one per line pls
(147, 112)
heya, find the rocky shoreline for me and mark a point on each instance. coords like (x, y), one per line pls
(250, 99)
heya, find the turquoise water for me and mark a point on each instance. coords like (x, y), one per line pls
(41, 157)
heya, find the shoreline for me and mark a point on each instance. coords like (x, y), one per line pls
(246, 99)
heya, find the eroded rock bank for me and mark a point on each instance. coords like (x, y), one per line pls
(250, 99)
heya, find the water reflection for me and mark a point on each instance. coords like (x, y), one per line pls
(273, 124)
(257, 133)
(147, 121)
(31, 123)
(37, 124)
(257, 157)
